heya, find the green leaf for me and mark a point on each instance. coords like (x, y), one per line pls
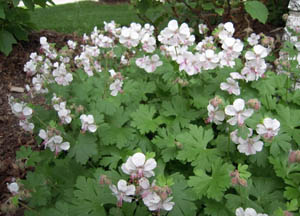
(219, 11)
(91, 197)
(243, 171)
(179, 108)
(194, 143)
(29, 4)
(40, 191)
(6, 42)
(183, 197)
(214, 208)
(243, 132)
(214, 185)
(23, 153)
(16, 2)
(280, 143)
(84, 148)
(2, 13)
(257, 10)
(143, 119)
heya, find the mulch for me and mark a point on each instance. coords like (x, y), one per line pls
(12, 137)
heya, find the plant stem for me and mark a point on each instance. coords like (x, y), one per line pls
(28, 208)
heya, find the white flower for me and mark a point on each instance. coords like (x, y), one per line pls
(63, 113)
(189, 63)
(254, 69)
(247, 146)
(87, 122)
(202, 28)
(137, 166)
(155, 203)
(231, 86)
(215, 115)
(56, 144)
(173, 35)
(21, 110)
(62, 77)
(123, 192)
(13, 188)
(237, 111)
(258, 52)
(72, 44)
(247, 212)
(26, 125)
(269, 128)
(116, 87)
(253, 39)
(149, 64)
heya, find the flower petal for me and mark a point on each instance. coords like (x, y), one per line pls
(138, 159)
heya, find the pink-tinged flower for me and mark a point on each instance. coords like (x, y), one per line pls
(87, 122)
(189, 63)
(214, 114)
(209, 59)
(237, 111)
(247, 212)
(254, 69)
(253, 39)
(55, 143)
(237, 76)
(123, 192)
(26, 125)
(155, 203)
(137, 166)
(269, 128)
(116, 87)
(173, 35)
(231, 86)
(149, 64)
(259, 52)
(247, 146)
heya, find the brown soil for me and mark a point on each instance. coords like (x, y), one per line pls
(11, 135)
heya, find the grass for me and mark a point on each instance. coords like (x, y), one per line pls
(81, 17)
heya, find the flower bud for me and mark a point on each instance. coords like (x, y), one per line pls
(254, 104)
(164, 195)
(104, 180)
(287, 213)
(216, 101)
(178, 145)
(234, 181)
(242, 182)
(156, 188)
(294, 157)
(285, 16)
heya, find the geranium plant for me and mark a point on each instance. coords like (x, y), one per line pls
(132, 125)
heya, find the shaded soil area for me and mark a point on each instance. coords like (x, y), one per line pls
(12, 75)
(12, 137)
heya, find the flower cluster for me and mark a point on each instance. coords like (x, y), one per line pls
(238, 114)
(63, 113)
(248, 146)
(88, 123)
(53, 140)
(23, 112)
(149, 64)
(156, 198)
